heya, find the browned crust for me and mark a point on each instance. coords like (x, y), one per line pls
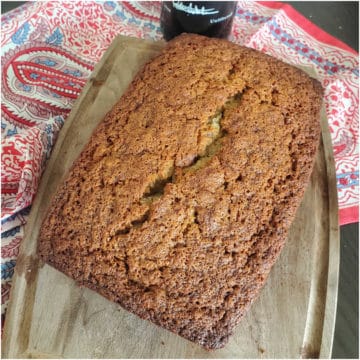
(189, 246)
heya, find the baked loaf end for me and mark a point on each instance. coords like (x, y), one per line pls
(181, 202)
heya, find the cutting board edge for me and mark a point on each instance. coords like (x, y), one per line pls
(334, 245)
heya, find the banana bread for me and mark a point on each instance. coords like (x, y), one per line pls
(181, 202)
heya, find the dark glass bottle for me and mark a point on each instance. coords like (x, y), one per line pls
(210, 18)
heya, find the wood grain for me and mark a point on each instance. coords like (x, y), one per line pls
(50, 316)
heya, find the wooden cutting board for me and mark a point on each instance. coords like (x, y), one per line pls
(294, 316)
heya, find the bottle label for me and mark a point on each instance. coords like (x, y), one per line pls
(209, 18)
(214, 21)
(194, 9)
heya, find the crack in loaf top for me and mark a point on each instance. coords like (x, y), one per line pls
(181, 201)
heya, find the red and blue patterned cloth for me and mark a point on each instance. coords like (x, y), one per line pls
(49, 49)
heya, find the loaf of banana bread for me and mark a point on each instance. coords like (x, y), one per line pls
(181, 202)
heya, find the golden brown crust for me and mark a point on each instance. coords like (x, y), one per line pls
(181, 202)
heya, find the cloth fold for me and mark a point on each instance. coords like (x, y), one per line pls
(49, 49)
